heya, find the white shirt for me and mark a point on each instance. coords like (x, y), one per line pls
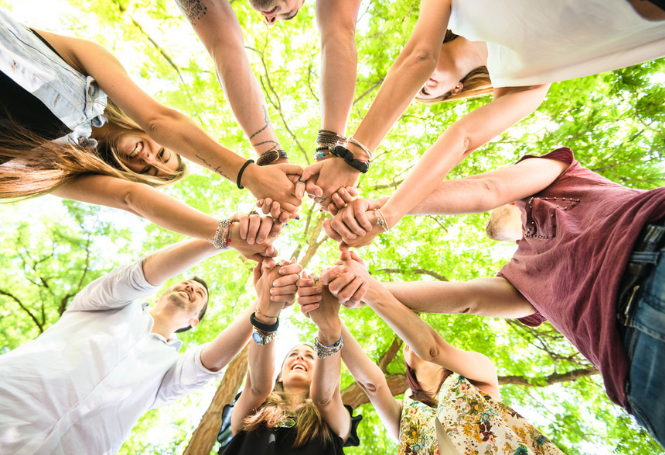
(532, 42)
(82, 385)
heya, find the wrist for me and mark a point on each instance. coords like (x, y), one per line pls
(330, 334)
(266, 318)
(358, 153)
(249, 176)
(391, 215)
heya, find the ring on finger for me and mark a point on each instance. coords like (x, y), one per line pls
(301, 182)
(253, 212)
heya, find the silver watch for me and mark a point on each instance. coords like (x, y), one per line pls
(261, 337)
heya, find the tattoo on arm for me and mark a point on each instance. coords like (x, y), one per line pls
(266, 118)
(193, 9)
(217, 169)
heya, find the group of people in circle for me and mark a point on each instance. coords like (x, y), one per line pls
(74, 124)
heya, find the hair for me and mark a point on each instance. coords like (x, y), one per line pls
(32, 165)
(476, 83)
(417, 392)
(279, 405)
(202, 313)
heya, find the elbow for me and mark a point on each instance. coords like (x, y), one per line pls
(321, 401)
(162, 121)
(419, 61)
(131, 199)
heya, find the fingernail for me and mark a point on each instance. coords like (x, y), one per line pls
(317, 297)
(274, 283)
(274, 234)
(363, 232)
(281, 271)
(297, 218)
(272, 291)
(286, 224)
(259, 240)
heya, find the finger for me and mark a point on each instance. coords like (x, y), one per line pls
(306, 307)
(284, 290)
(254, 223)
(290, 268)
(313, 188)
(356, 257)
(300, 189)
(243, 223)
(277, 227)
(343, 246)
(340, 227)
(267, 265)
(337, 201)
(311, 170)
(340, 283)
(353, 191)
(360, 293)
(258, 269)
(330, 232)
(361, 216)
(289, 205)
(349, 290)
(284, 217)
(329, 275)
(283, 298)
(291, 169)
(332, 209)
(275, 210)
(315, 299)
(270, 252)
(345, 195)
(349, 220)
(309, 291)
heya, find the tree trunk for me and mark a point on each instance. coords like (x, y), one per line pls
(205, 435)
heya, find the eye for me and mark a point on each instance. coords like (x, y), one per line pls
(145, 170)
(160, 155)
(424, 91)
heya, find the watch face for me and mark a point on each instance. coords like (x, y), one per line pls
(257, 338)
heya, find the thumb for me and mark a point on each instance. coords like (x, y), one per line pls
(257, 271)
(312, 169)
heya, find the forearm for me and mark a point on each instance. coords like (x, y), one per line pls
(493, 297)
(246, 98)
(327, 373)
(176, 259)
(228, 343)
(338, 79)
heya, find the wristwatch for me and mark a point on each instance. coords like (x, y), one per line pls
(261, 337)
(271, 156)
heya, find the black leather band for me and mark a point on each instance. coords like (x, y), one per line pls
(261, 326)
(242, 169)
(350, 159)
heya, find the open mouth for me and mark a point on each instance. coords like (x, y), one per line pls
(138, 148)
(186, 292)
(299, 366)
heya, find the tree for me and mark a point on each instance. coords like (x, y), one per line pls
(613, 122)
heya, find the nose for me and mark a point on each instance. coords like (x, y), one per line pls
(270, 20)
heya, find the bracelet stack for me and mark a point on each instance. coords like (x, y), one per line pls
(222, 237)
(370, 155)
(263, 333)
(381, 220)
(327, 141)
(350, 159)
(323, 351)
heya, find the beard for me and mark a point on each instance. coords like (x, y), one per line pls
(263, 5)
(178, 300)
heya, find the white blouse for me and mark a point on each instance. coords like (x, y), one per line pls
(541, 41)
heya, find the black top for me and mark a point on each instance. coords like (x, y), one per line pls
(279, 441)
(18, 106)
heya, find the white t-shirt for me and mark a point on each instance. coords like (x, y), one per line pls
(541, 41)
(82, 385)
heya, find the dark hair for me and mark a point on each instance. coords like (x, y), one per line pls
(476, 83)
(417, 392)
(202, 313)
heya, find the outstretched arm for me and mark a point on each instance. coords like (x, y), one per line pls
(217, 26)
(170, 128)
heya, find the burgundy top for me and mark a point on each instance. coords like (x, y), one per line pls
(578, 236)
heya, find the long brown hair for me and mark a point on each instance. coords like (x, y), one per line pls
(476, 83)
(32, 166)
(417, 391)
(280, 406)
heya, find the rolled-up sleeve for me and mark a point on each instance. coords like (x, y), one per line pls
(115, 290)
(185, 376)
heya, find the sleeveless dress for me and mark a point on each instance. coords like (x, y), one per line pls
(532, 42)
(472, 422)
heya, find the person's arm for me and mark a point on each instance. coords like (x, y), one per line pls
(422, 338)
(170, 128)
(473, 194)
(337, 22)
(217, 26)
(324, 390)
(261, 358)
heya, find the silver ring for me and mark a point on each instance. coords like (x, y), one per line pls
(301, 182)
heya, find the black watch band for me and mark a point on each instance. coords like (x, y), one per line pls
(261, 326)
(271, 156)
(350, 159)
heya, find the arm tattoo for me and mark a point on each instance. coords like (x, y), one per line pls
(217, 169)
(266, 119)
(193, 9)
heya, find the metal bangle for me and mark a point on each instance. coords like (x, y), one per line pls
(381, 220)
(323, 351)
(364, 149)
(222, 236)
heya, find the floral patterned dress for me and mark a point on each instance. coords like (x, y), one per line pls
(475, 423)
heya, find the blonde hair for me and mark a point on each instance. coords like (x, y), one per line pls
(31, 166)
(281, 406)
(476, 83)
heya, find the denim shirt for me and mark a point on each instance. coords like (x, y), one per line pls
(74, 98)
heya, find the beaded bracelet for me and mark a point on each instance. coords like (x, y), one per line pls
(222, 237)
(370, 155)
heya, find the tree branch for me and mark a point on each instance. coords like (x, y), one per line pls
(24, 308)
(390, 354)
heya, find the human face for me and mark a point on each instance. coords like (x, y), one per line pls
(442, 80)
(505, 223)
(274, 10)
(144, 156)
(298, 368)
(188, 297)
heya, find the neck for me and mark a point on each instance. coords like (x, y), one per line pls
(429, 376)
(163, 325)
(468, 55)
(299, 392)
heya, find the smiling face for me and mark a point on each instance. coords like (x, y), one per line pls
(273, 10)
(144, 156)
(184, 301)
(298, 368)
